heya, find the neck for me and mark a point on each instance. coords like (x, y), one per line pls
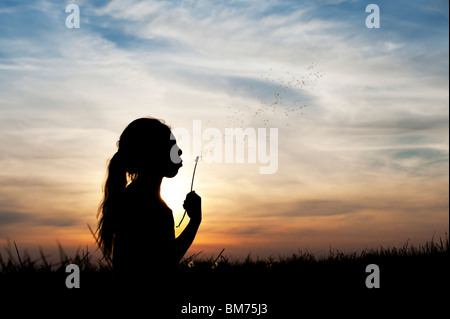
(150, 184)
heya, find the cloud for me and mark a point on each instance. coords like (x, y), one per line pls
(322, 208)
(219, 30)
(8, 218)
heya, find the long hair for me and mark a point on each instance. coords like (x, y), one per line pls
(137, 148)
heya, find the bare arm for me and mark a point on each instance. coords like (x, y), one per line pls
(193, 207)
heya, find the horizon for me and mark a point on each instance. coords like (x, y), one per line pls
(361, 116)
(57, 253)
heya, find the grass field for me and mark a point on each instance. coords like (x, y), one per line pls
(412, 279)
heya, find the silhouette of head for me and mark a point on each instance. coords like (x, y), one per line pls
(148, 148)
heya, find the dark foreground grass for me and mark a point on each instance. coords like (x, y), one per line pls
(412, 279)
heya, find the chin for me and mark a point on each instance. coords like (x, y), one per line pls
(172, 172)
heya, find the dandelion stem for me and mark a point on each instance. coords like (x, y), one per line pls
(192, 186)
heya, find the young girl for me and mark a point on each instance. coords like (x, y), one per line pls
(136, 228)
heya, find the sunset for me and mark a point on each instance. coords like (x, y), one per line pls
(361, 114)
(319, 125)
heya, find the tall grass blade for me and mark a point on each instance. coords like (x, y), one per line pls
(18, 255)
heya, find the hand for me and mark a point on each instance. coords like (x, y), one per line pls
(193, 206)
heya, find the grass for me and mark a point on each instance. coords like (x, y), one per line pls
(14, 263)
(417, 275)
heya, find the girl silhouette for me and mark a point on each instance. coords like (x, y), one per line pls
(136, 228)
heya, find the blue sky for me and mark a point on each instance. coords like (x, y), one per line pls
(362, 115)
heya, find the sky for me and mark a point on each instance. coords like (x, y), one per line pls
(362, 147)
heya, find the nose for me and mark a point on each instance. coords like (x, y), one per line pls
(180, 152)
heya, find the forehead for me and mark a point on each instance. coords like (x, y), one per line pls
(172, 140)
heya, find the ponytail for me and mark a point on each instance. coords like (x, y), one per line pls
(115, 185)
